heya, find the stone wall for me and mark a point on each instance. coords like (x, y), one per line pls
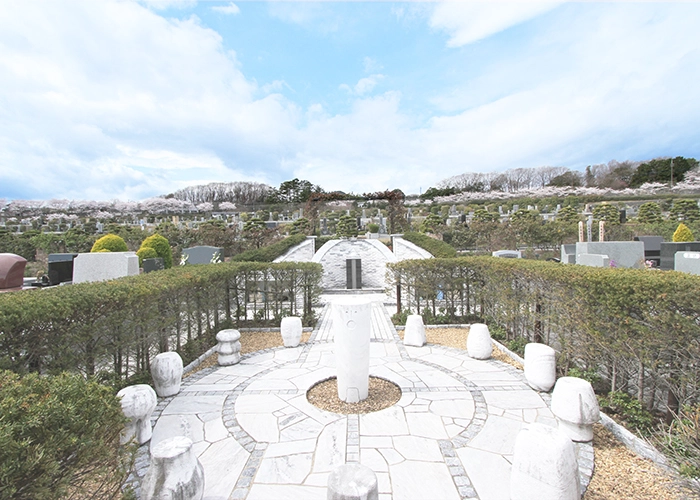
(303, 252)
(404, 250)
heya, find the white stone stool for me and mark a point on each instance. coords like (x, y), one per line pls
(351, 327)
(166, 370)
(352, 482)
(175, 472)
(414, 334)
(540, 366)
(479, 341)
(576, 408)
(291, 328)
(138, 403)
(228, 347)
(544, 465)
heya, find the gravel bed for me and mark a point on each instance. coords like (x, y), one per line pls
(382, 394)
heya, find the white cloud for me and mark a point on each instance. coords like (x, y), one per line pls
(167, 4)
(370, 65)
(230, 9)
(468, 22)
(363, 85)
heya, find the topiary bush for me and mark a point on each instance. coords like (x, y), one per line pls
(162, 247)
(60, 435)
(110, 243)
(146, 253)
(683, 233)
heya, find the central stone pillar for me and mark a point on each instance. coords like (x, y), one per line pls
(351, 328)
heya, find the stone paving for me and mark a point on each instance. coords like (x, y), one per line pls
(450, 436)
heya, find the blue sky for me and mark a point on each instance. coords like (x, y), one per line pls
(131, 99)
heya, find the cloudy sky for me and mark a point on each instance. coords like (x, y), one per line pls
(131, 99)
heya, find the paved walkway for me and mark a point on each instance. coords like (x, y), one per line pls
(450, 436)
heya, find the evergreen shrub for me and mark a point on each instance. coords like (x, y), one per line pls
(162, 247)
(110, 243)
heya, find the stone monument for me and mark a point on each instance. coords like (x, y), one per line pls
(291, 329)
(351, 325)
(228, 347)
(414, 334)
(576, 408)
(540, 366)
(166, 370)
(479, 341)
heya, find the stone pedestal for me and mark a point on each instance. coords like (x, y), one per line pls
(414, 334)
(228, 347)
(166, 370)
(540, 366)
(576, 408)
(351, 328)
(138, 403)
(544, 465)
(175, 473)
(479, 341)
(352, 482)
(291, 329)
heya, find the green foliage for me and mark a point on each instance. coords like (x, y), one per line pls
(432, 223)
(685, 210)
(681, 442)
(146, 253)
(659, 170)
(568, 214)
(436, 247)
(569, 178)
(589, 374)
(59, 435)
(110, 243)
(162, 248)
(373, 228)
(608, 213)
(649, 213)
(346, 227)
(628, 410)
(432, 192)
(400, 318)
(271, 252)
(683, 233)
(483, 215)
(301, 226)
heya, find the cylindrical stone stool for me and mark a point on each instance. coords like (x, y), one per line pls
(352, 482)
(576, 408)
(544, 465)
(479, 341)
(228, 347)
(175, 473)
(351, 327)
(138, 403)
(414, 334)
(540, 366)
(291, 328)
(166, 370)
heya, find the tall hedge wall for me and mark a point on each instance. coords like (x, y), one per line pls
(638, 329)
(115, 327)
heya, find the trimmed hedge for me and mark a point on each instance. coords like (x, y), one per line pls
(438, 248)
(162, 247)
(114, 328)
(639, 329)
(270, 252)
(110, 243)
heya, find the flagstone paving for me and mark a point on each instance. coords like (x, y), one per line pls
(450, 436)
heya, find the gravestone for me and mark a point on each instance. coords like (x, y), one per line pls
(568, 253)
(153, 264)
(11, 271)
(353, 269)
(687, 262)
(508, 254)
(652, 248)
(592, 260)
(621, 253)
(61, 267)
(101, 266)
(669, 250)
(351, 323)
(203, 254)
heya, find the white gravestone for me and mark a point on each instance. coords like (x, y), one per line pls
(352, 482)
(576, 408)
(166, 370)
(228, 347)
(102, 266)
(544, 465)
(414, 334)
(479, 341)
(540, 366)
(291, 329)
(175, 472)
(138, 403)
(351, 327)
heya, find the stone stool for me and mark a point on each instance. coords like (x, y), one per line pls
(166, 370)
(175, 472)
(544, 465)
(229, 347)
(576, 408)
(414, 334)
(479, 341)
(138, 403)
(352, 482)
(540, 366)
(291, 328)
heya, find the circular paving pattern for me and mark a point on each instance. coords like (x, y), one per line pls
(381, 394)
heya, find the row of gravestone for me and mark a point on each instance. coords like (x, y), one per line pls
(544, 465)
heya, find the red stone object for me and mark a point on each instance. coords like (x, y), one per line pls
(11, 271)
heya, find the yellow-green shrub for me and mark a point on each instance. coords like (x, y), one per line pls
(110, 243)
